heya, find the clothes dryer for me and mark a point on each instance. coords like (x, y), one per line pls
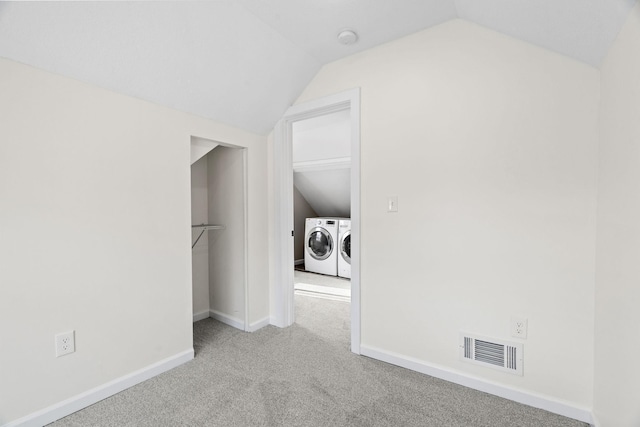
(344, 248)
(321, 240)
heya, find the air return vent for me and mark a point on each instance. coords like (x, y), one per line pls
(503, 355)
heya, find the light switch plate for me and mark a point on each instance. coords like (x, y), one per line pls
(392, 204)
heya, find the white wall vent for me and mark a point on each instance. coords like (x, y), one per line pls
(490, 352)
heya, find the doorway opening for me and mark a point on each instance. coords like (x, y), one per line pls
(219, 232)
(283, 187)
(321, 154)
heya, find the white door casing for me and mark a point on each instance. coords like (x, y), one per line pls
(283, 315)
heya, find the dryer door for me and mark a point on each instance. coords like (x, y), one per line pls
(345, 247)
(319, 243)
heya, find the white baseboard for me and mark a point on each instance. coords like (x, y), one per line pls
(275, 321)
(259, 324)
(298, 261)
(227, 320)
(201, 315)
(237, 323)
(531, 399)
(89, 397)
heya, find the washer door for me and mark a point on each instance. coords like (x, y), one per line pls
(345, 247)
(319, 243)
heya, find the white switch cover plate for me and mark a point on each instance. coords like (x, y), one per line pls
(392, 204)
(65, 343)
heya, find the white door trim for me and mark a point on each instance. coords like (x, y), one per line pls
(245, 196)
(283, 203)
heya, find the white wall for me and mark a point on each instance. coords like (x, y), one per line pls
(617, 320)
(200, 252)
(301, 211)
(227, 246)
(95, 234)
(321, 152)
(327, 190)
(490, 145)
(321, 138)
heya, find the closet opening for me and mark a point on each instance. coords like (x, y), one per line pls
(219, 232)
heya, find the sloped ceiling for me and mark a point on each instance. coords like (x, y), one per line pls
(243, 62)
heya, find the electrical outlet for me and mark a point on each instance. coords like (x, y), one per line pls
(518, 327)
(65, 343)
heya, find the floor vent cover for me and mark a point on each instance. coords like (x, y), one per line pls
(503, 355)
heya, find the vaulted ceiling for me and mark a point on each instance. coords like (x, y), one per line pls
(243, 62)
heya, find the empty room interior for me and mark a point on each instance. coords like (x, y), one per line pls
(178, 181)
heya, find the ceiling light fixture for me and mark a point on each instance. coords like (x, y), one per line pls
(347, 37)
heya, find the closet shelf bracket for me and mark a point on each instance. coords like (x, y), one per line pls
(205, 227)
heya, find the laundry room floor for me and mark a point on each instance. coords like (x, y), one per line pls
(320, 285)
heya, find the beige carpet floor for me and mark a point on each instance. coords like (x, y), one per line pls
(303, 375)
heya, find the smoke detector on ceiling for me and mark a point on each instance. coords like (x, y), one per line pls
(347, 37)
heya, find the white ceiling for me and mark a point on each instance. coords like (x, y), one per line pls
(243, 62)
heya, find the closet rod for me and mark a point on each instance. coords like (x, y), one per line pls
(205, 227)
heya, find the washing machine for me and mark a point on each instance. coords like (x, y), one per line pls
(321, 246)
(344, 248)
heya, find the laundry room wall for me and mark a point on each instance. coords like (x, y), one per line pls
(617, 322)
(226, 246)
(321, 152)
(324, 137)
(490, 145)
(200, 252)
(301, 211)
(327, 189)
